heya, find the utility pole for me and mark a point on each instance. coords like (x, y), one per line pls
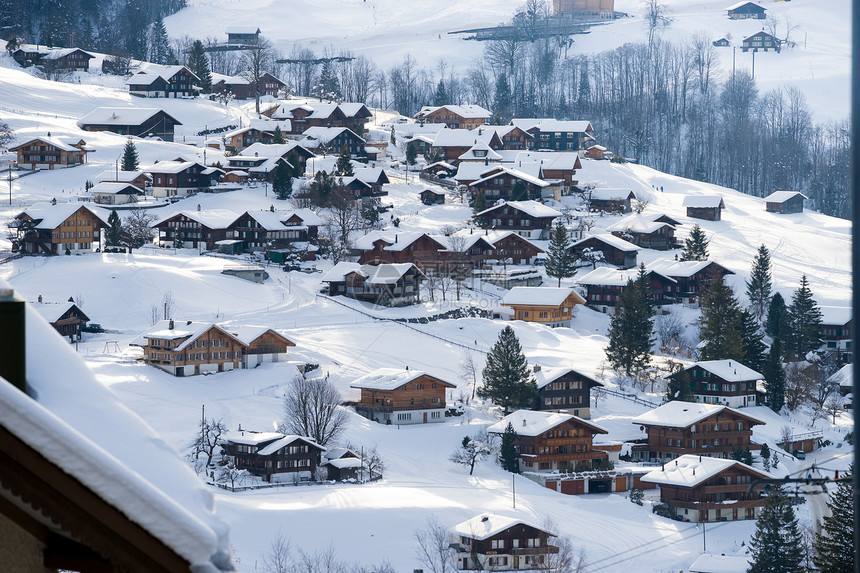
(10, 183)
(514, 488)
(753, 65)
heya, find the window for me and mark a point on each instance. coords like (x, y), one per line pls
(498, 543)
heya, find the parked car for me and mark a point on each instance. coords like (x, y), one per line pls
(799, 454)
(93, 327)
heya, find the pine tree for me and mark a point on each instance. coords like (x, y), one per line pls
(328, 86)
(282, 181)
(751, 340)
(393, 137)
(198, 63)
(411, 153)
(776, 325)
(507, 380)
(678, 387)
(520, 191)
(508, 454)
(695, 246)
(631, 328)
(129, 157)
(559, 260)
(479, 203)
(834, 543)
(159, 43)
(765, 456)
(278, 135)
(720, 324)
(774, 376)
(113, 234)
(440, 98)
(759, 284)
(804, 320)
(503, 102)
(775, 546)
(343, 167)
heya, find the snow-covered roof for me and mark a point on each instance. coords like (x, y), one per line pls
(540, 296)
(111, 188)
(153, 71)
(389, 379)
(486, 153)
(316, 135)
(608, 194)
(448, 137)
(466, 111)
(673, 268)
(712, 563)
(61, 143)
(486, 525)
(844, 376)
(610, 240)
(50, 53)
(285, 441)
(472, 171)
(614, 277)
(212, 218)
(343, 463)
(678, 414)
(120, 116)
(513, 173)
(248, 334)
(550, 160)
(249, 438)
(122, 176)
(335, 453)
(783, 196)
(534, 423)
(743, 3)
(546, 375)
(370, 174)
(691, 470)
(533, 208)
(397, 240)
(242, 30)
(703, 201)
(835, 314)
(173, 166)
(52, 311)
(575, 126)
(728, 370)
(494, 237)
(98, 441)
(375, 274)
(52, 216)
(271, 149)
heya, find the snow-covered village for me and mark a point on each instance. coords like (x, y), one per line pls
(374, 286)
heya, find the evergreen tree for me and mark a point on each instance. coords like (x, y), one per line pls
(631, 328)
(759, 284)
(129, 157)
(751, 340)
(765, 456)
(834, 542)
(278, 135)
(113, 235)
(584, 95)
(479, 202)
(440, 98)
(775, 546)
(695, 246)
(393, 137)
(520, 191)
(343, 167)
(159, 43)
(503, 102)
(282, 181)
(507, 380)
(508, 454)
(774, 376)
(328, 86)
(411, 153)
(198, 63)
(720, 324)
(776, 325)
(559, 260)
(678, 387)
(322, 188)
(804, 320)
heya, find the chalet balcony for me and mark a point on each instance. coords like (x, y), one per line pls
(727, 504)
(549, 549)
(741, 488)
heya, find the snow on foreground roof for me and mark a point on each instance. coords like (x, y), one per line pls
(533, 208)
(120, 116)
(390, 379)
(678, 414)
(97, 440)
(486, 525)
(729, 370)
(711, 563)
(546, 375)
(51, 216)
(835, 314)
(844, 376)
(691, 470)
(783, 196)
(533, 423)
(52, 311)
(703, 201)
(540, 296)
(610, 240)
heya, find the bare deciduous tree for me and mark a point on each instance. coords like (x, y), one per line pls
(137, 225)
(278, 560)
(230, 474)
(567, 560)
(372, 464)
(312, 408)
(432, 548)
(469, 370)
(472, 450)
(168, 305)
(208, 439)
(258, 58)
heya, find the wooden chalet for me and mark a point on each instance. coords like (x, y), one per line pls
(373, 178)
(342, 464)
(396, 396)
(644, 232)
(242, 35)
(243, 88)
(529, 219)
(726, 382)
(163, 81)
(707, 207)
(301, 116)
(65, 317)
(137, 178)
(603, 9)
(745, 10)
(836, 323)
(511, 248)
(545, 305)
(560, 135)
(557, 167)
(139, 122)
(564, 390)
(180, 178)
(414, 247)
(431, 197)
(255, 168)
(513, 138)
(260, 131)
(272, 456)
(332, 140)
(295, 231)
(189, 348)
(604, 286)
(452, 143)
(397, 284)
(52, 59)
(296, 155)
(761, 42)
(114, 193)
(481, 153)
(785, 202)
(703, 489)
(598, 152)
(51, 229)
(50, 153)
(500, 543)
(721, 43)
(499, 182)
(467, 116)
(550, 441)
(678, 428)
(194, 229)
(464, 251)
(614, 250)
(692, 278)
(611, 200)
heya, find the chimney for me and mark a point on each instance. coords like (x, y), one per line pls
(485, 519)
(187, 323)
(663, 467)
(694, 471)
(198, 207)
(407, 367)
(40, 298)
(170, 325)
(524, 422)
(272, 208)
(536, 368)
(395, 238)
(13, 367)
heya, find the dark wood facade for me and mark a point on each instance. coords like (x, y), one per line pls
(761, 41)
(278, 458)
(71, 322)
(514, 247)
(613, 255)
(662, 238)
(413, 402)
(747, 10)
(423, 252)
(184, 231)
(499, 184)
(570, 392)
(519, 546)
(180, 82)
(405, 290)
(159, 124)
(47, 153)
(431, 197)
(78, 231)
(509, 217)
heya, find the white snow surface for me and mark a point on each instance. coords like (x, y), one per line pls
(691, 470)
(677, 414)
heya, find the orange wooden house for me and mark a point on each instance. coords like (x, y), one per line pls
(395, 396)
(547, 305)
